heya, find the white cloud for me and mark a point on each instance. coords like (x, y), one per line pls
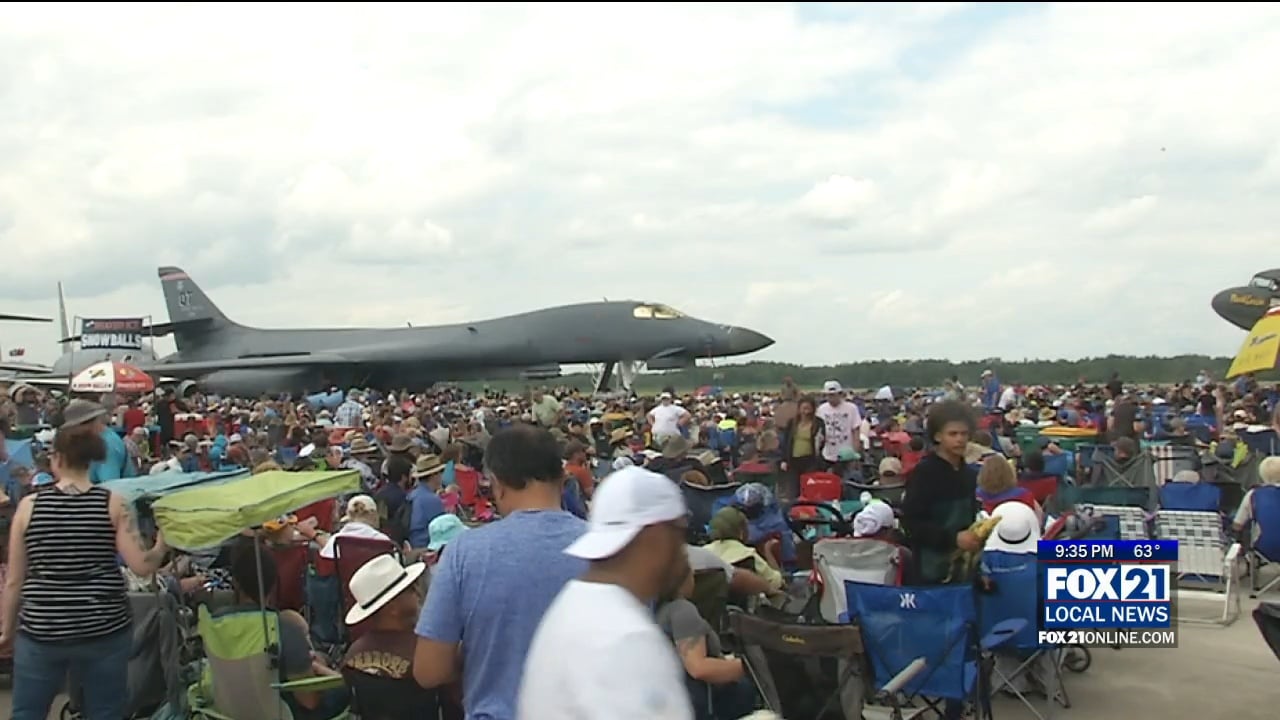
(929, 189)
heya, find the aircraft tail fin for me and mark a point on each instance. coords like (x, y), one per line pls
(67, 345)
(188, 305)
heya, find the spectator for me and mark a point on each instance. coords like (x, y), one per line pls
(621, 666)
(940, 502)
(496, 582)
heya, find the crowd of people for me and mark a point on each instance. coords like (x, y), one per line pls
(571, 596)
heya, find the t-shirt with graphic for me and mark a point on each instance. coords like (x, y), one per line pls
(842, 423)
(379, 667)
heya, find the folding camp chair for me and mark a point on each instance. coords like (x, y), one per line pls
(241, 676)
(711, 597)
(1264, 535)
(1014, 578)
(291, 575)
(1169, 460)
(1135, 472)
(1205, 558)
(1131, 521)
(865, 560)
(1190, 497)
(923, 642)
(810, 672)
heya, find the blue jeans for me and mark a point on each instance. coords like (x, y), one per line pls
(99, 667)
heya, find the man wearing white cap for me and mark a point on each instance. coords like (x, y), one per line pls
(360, 521)
(843, 425)
(623, 665)
(667, 419)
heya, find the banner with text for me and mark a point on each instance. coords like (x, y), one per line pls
(122, 333)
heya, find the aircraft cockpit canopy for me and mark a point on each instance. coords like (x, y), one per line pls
(650, 311)
(1265, 283)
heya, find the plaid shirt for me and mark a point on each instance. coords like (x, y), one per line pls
(349, 414)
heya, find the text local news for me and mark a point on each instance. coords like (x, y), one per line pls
(1108, 592)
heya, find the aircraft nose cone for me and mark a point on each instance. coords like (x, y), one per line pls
(744, 340)
(1241, 306)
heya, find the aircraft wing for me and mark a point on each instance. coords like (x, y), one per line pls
(23, 318)
(18, 367)
(249, 363)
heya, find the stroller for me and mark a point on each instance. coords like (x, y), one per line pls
(156, 664)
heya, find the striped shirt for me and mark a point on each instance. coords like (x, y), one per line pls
(74, 590)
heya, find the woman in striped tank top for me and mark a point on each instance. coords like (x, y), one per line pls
(64, 574)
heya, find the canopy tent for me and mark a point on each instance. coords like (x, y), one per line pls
(151, 487)
(204, 516)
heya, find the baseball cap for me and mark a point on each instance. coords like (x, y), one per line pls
(360, 505)
(832, 386)
(627, 502)
(891, 466)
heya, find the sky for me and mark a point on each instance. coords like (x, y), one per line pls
(948, 180)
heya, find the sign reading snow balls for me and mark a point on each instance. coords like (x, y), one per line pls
(1108, 593)
(122, 333)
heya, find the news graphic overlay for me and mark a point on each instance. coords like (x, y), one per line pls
(1108, 593)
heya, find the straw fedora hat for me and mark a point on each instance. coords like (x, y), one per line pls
(618, 435)
(361, 446)
(399, 443)
(377, 583)
(427, 465)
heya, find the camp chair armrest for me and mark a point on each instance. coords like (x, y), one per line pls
(1002, 632)
(899, 681)
(1233, 552)
(312, 684)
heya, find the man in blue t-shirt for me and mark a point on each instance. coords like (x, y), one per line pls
(424, 500)
(494, 583)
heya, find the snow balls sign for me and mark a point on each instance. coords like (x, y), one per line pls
(1108, 593)
(123, 333)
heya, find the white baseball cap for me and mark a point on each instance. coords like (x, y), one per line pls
(627, 502)
(832, 386)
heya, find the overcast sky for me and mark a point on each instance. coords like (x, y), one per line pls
(887, 181)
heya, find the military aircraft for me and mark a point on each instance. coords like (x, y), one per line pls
(228, 358)
(1244, 306)
(71, 360)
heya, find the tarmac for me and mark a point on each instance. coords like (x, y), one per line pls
(1215, 673)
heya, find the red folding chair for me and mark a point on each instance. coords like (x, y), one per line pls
(323, 511)
(291, 575)
(470, 497)
(349, 555)
(823, 487)
(1042, 488)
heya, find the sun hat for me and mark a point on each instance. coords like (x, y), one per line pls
(627, 502)
(361, 446)
(443, 530)
(377, 583)
(873, 518)
(426, 465)
(80, 412)
(1018, 530)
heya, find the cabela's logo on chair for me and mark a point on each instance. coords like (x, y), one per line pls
(793, 639)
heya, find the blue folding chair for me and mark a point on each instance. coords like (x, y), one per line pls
(1014, 596)
(1191, 497)
(924, 643)
(1264, 547)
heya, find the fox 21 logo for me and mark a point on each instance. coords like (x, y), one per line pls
(1116, 583)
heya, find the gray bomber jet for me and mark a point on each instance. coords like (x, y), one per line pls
(228, 358)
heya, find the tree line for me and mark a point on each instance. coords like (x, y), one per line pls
(930, 373)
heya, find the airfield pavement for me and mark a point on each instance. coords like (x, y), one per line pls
(1214, 674)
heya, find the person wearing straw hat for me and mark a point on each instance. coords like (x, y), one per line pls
(379, 664)
(424, 500)
(622, 662)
